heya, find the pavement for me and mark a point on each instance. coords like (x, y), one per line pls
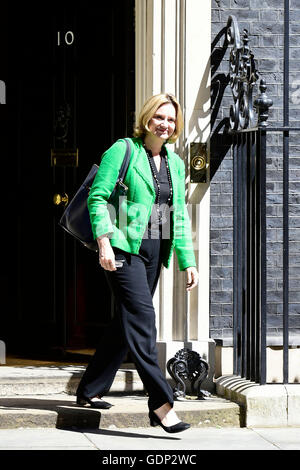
(151, 440)
(55, 422)
(38, 413)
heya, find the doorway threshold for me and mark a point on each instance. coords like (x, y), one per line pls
(72, 357)
(55, 356)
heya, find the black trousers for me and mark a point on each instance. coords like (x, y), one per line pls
(133, 328)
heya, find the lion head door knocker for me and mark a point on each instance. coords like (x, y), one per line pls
(188, 365)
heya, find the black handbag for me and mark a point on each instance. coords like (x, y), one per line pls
(76, 218)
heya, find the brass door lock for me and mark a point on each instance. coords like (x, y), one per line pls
(198, 162)
(62, 199)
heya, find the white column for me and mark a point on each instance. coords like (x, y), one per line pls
(197, 129)
(173, 44)
(140, 53)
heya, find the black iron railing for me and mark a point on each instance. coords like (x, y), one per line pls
(249, 131)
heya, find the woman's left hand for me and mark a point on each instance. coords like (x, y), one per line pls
(192, 278)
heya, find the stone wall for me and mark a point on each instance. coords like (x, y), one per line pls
(264, 21)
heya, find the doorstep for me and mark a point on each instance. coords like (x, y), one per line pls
(128, 410)
(270, 405)
(44, 396)
(59, 378)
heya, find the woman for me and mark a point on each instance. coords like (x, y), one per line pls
(139, 234)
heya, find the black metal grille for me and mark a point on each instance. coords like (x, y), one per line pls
(249, 146)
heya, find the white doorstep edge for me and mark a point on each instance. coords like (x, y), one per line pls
(268, 405)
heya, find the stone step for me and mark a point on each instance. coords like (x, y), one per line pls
(44, 396)
(59, 378)
(129, 410)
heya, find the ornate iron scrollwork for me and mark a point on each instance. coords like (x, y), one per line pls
(243, 76)
(262, 104)
(187, 365)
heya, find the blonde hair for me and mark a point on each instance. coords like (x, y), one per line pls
(149, 109)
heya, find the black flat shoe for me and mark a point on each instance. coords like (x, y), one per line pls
(155, 421)
(100, 404)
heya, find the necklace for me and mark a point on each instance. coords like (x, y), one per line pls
(160, 215)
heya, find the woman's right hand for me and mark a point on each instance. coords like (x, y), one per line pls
(106, 254)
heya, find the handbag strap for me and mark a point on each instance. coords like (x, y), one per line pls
(125, 163)
(123, 171)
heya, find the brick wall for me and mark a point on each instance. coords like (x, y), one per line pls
(264, 21)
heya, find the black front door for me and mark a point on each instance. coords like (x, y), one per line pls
(69, 81)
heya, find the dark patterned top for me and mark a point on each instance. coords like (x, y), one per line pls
(158, 229)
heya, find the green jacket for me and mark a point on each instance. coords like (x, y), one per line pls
(126, 222)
